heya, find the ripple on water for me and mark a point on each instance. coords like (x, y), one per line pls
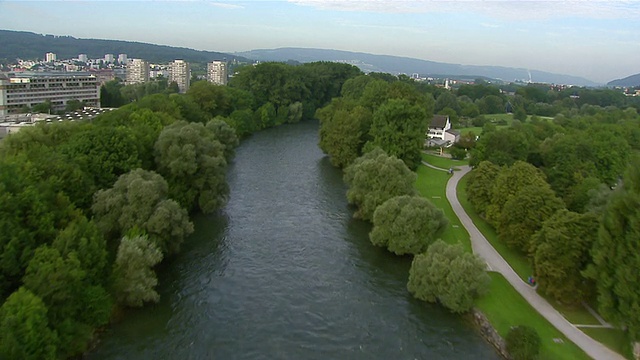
(284, 272)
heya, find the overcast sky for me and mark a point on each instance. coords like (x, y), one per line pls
(596, 40)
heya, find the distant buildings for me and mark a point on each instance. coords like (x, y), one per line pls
(180, 72)
(50, 57)
(217, 72)
(108, 58)
(32, 88)
(137, 71)
(122, 58)
(83, 58)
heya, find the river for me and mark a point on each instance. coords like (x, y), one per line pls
(284, 272)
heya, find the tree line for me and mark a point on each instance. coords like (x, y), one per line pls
(376, 131)
(564, 193)
(89, 209)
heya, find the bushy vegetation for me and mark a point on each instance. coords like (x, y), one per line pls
(523, 343)
(89, 209)
(448, 275)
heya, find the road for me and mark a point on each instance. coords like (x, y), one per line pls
(496, 262)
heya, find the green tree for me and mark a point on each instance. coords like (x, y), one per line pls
(139, 199)
(501, 146)
(225, 134)
(399, 129)
(407, 224)
(192, 160)
(83, 237)
(343, 131)
(562, 253)
(375, 178)
(615, 255)
(523, 214)
(508, 183)
(480, 185)
(523, 343)
(449, 275)
(24, 328)
(134, 278)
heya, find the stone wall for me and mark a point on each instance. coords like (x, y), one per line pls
(489, 333)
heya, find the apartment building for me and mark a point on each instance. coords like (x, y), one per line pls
(217, 72)
(180, 72)
(50, 57)
(30, 89)
(137, 71)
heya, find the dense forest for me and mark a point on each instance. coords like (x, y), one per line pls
(559, 183)
(89, 209)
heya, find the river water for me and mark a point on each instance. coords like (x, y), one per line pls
(284, 272)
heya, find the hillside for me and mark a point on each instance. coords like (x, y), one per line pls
(28, 45)
(629, 81)
(397, 65)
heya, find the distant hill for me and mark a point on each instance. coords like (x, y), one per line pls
(28, 45)
(629, 81)
(399, 65)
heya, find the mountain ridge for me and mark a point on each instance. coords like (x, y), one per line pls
(30, 45)
(407, 65)
(629, 81)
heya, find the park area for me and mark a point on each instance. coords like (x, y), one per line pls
(503, 305)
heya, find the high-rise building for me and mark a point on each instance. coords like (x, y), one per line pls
(83, 58)
(32, 88)
(180, 72)
(50, 57)
(217, 72)
(122, 59)
(108, 58)
(137, 71)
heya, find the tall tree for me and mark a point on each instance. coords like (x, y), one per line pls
(399, 129)
(24, 328)
(139, 199)
(615, 255)
(192, 160)
(375, 178)
(523, 214)
(344, 129)
(480, 185)
(449, 275)
(407, 224)
(134, 278)
(562, 253)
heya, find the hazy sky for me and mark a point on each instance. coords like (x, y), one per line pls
(596, 40)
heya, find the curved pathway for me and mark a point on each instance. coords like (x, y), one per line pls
(497, 263)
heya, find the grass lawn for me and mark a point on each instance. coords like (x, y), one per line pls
(505, 308)
(576, 314)
(443, 162)
(432, 184)
(614, 339)
(519, 263)
(517, 260)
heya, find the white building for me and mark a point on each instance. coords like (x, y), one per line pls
(32, 88)
(108, 58)
(137, 71)
(83, 58)
(122, 58)
(440, 132)
(50, 57)
(217, 72)
(180, 72)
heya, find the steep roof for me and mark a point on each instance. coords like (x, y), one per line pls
(439, 121)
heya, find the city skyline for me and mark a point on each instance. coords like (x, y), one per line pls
(595, 40)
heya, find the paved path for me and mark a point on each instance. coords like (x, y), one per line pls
(495, 262)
